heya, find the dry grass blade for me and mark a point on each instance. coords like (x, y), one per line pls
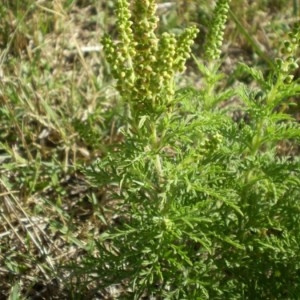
(23, 227)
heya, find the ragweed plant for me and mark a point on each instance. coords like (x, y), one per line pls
(205, 207)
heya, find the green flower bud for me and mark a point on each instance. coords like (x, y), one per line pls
(293, 66)
(288, 79)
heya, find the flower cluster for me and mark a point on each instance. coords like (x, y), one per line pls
(287, 64)
(216, 30)
(211, 143)
(144, 64)
(120, 54)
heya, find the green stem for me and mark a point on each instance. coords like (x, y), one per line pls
(251, 40)
(295, 7)
(155, 146)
